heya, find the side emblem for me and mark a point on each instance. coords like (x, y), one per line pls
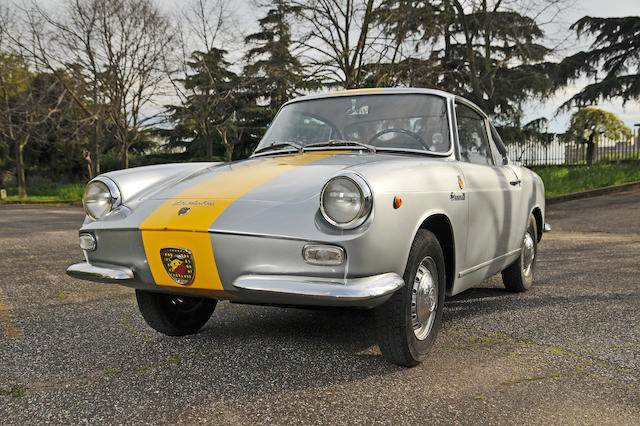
(178, 264)
(460, 183)
(184, 211)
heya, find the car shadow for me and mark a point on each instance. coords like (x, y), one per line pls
(304, 346)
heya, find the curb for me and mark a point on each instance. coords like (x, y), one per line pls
(593, 192)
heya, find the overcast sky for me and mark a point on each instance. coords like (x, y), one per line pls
(630, 113)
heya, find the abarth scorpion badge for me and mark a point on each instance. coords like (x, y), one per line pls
(179, 264)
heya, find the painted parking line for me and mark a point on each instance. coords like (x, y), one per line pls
(7, 326)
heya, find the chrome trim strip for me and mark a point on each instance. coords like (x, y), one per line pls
(476, 108)
(368, 291)
(546, 228)
(105, 274)
(487, 263)
(379, 150)
(255, 234)
(453, 128)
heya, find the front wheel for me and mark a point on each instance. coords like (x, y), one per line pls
(518, 276)
(408, 323)
(174, 315)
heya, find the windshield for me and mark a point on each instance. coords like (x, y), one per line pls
(395, 121)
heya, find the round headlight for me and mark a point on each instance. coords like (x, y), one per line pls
(100, 197)
(346, 201)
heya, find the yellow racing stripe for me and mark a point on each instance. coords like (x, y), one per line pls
(356, 91)
(208, 199)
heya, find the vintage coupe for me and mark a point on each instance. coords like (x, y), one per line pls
(374, 198)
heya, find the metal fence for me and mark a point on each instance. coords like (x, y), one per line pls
(556, 152)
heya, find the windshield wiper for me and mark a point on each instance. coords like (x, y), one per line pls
(341, 142)
(277, 145)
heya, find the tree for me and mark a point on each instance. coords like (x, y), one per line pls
(38, 119)
(488, 51)
(338, 38)
(15, 78)
(615, 50)
(209, 111)
(116, 48)
(202, 79)
(273, 74)
(276, 73)
(588, 124)
(28, 100)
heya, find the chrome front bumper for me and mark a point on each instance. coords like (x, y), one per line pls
(102, 274)
(366, 292)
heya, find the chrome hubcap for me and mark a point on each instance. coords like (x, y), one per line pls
(528, 253)
(424, 299)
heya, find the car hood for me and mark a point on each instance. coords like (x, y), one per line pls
(282, 179)
(275, 195)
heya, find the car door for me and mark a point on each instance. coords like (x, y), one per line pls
(516, 206)
(487, 186)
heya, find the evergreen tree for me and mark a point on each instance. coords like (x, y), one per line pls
(615, 50)
(275, 74)
(210, 108)
(486, 52)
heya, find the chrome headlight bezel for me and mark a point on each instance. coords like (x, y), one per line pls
(366, 198)
(114, 198)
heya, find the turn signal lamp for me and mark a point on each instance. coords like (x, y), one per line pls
(88, 242)
(323, 255)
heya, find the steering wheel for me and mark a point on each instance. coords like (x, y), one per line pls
(409, 133)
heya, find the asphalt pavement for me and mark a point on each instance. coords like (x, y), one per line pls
(566, 352)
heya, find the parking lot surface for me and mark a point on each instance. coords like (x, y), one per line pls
(566, 352)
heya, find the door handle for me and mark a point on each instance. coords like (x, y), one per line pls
(514, 182)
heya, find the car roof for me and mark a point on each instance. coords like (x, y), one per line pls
(375, 91)
(388, 91)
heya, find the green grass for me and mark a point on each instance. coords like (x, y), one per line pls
(50, 192)
(16, 391)
(559, 180)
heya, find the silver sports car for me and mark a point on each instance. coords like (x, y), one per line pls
(374, 198)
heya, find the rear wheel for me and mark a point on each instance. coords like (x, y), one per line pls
(518, 276)
(408, 323)
(172, 314)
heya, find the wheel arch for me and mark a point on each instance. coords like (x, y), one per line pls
(440, 225)
(537, 214)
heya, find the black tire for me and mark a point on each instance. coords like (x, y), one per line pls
(518, 276)
(174, 315)
(396, 319)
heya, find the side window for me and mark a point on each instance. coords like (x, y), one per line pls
(472, 133)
